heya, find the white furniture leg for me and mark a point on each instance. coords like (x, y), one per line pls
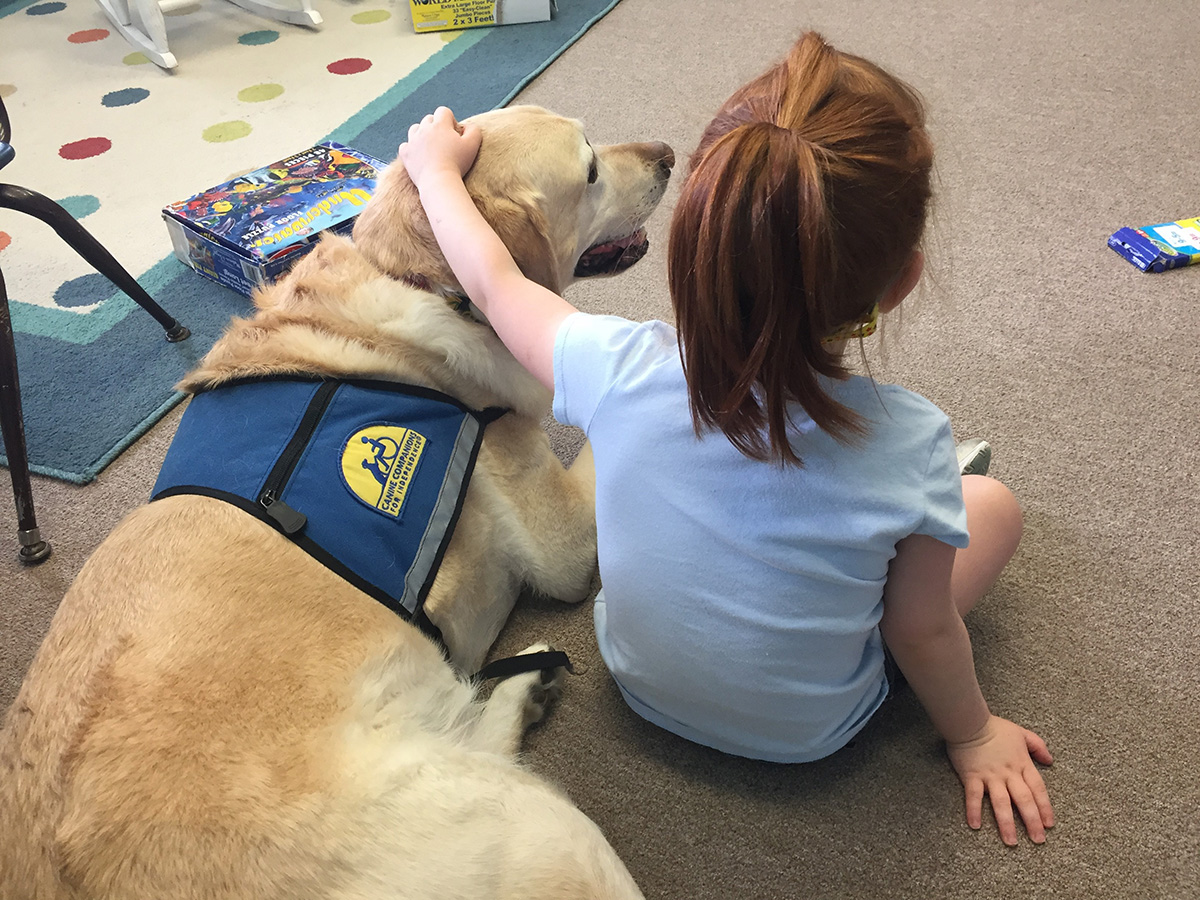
(301, 13)
(143, 26)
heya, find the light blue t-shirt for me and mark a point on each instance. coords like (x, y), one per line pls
(742, 599)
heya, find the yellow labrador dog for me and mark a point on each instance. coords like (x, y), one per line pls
(217, 714)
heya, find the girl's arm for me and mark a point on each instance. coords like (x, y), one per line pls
(926, 635)
(525, 315)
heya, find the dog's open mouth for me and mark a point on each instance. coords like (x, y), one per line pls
(613, 256)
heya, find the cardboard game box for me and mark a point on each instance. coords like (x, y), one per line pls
(1156, 248)
(248, 231)
(449, 15)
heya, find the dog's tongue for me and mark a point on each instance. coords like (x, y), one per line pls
(619, 244)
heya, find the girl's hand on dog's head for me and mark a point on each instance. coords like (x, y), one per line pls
(439, 143)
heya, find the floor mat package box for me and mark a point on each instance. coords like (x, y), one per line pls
(1156, 248)
(446, 15)
(248, 231)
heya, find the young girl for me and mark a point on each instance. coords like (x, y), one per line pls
(767, 522)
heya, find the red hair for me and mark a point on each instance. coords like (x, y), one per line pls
(805, 199)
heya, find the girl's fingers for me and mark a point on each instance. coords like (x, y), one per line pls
(1003, 811)
(1041, 797)
(1031, 815)
(974, 789)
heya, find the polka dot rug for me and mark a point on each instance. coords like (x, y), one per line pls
(113, 138)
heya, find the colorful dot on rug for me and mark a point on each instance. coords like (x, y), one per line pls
(86, 148)
(7, 90)
(5, 239)
(84, 291)
(80, 205)
(254, 38)
(45, 9)
(371, 17)
(226, 131)
(88, 35)
(351, 65)
(136, 59)
(124, 97)
(257, 93)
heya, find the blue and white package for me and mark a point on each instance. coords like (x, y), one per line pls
(1156, 248)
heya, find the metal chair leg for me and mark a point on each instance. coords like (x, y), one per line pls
(82, 242)
(12, 428)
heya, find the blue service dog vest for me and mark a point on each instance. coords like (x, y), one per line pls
(368, 477)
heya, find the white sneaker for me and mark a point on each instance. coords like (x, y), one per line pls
(974, 457)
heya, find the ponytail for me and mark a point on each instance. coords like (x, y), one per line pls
(780, 237)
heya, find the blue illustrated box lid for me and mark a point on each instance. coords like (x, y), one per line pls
(266, 213)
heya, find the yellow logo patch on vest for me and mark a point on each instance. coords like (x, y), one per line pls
(378, 464)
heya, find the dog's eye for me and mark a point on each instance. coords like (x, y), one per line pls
(593, 172)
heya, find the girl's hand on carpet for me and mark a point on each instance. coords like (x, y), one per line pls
(437, 144)
(999, 761)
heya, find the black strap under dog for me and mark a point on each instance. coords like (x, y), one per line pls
(525, 662)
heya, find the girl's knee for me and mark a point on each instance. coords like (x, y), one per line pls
(994, 523)
(991, 505)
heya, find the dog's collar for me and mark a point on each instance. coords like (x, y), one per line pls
(456, 300)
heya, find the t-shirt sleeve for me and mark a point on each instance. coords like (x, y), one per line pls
(592, 353)
(945, 514)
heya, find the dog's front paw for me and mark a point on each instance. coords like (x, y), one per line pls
(518, 701)
(536, 690)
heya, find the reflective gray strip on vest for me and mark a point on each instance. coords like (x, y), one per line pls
(443, 512)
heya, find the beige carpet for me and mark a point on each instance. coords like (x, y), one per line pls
(1056, 124)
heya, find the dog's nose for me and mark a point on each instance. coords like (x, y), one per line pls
(662, 155)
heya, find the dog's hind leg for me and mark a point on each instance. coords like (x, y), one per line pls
(515, 704)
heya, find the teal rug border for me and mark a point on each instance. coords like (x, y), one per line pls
(561, 50)
(7, 9)
(128, 441)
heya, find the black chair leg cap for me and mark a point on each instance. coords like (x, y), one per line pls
(177, 333)
(35, 553)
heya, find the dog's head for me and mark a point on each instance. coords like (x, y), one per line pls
(564, 208)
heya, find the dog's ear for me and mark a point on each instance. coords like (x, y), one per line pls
(522, 226)
(393, 232)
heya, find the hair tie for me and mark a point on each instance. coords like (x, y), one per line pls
(856, 329)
